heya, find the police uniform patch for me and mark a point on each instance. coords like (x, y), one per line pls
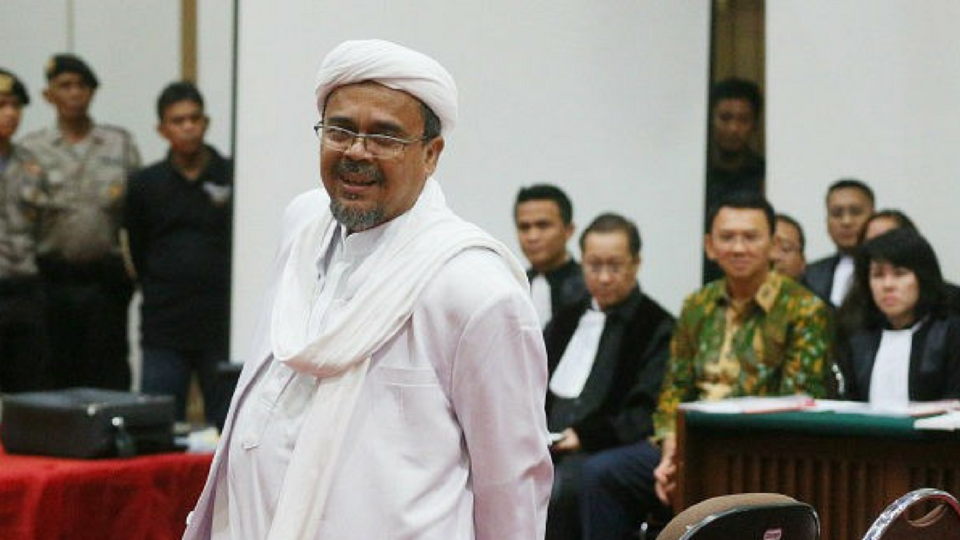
(115, 191)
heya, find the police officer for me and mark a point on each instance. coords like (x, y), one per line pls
(88, 289)
(23, 346)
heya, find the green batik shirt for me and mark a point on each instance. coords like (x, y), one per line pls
(777, 343)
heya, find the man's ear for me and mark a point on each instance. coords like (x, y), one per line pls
(568, 230)
(774, 244)
(431, 154)
(708, 247)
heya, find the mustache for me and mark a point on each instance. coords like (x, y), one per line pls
(362, 168)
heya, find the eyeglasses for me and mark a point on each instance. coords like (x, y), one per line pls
(615, 268)
(380, 146)
(787, 246)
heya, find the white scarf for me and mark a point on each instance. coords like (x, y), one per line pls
(405, 263)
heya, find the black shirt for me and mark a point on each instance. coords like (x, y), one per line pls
(180, 241)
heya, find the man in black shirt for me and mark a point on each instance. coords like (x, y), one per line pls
(178, 217)
(544, 218)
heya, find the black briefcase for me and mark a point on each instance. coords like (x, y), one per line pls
(86, 423)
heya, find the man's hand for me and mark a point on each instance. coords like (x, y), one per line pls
(569, 443)
(666, 473)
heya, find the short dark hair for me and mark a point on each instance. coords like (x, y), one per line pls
(903, 222)
(744, 200)
(898, 217)
(796, 225)
(610, 222)
(737, 88)
(176, 92)
(899, 247)
(850, 183)
(546, 192)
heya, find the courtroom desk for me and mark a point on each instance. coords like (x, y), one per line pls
(849, 467)
(142, 498)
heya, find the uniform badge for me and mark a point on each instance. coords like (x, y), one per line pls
(115, 191)
(219, 195)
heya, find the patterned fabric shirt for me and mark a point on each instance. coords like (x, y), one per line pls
(86, 183)
(21, 191)
(776, 343)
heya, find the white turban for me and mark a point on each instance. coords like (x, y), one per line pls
(393, 66)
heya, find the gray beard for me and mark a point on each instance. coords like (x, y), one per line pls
(356, 220)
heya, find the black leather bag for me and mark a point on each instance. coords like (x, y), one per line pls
(87, 423)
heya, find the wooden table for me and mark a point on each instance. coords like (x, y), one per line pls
(847, 466)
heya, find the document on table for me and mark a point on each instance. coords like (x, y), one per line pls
(949, 421)
(913, 408)
(751, 405)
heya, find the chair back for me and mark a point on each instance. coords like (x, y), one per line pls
(745, 516)
(942, 522)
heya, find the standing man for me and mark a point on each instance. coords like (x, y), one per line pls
(24, 358)
(850, 204)
(178, 217)
(544, 219)
(752, 333)
(787, 254)
(88, 289)
(607, 354)
(404, 394)
(733, 165)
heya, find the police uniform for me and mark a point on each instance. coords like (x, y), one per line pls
(24, 360)
(79, 254)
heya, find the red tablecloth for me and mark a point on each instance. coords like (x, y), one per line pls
(143, 498)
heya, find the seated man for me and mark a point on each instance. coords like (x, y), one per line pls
(787, 254)
(849, 205)
(606, 358)
(544, 218)
(751, 333)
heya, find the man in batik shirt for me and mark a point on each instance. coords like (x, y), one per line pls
(752, 333)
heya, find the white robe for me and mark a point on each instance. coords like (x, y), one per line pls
(448, 439)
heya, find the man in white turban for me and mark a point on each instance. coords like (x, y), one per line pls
(401, 393)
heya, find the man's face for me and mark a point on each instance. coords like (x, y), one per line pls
(733, 125)
(70, 95)
(609, 269)
(184, 126)
(542, 233)
(366, 191)
(848, 209)
(10, 111)
(787, 255)
(741, 243)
